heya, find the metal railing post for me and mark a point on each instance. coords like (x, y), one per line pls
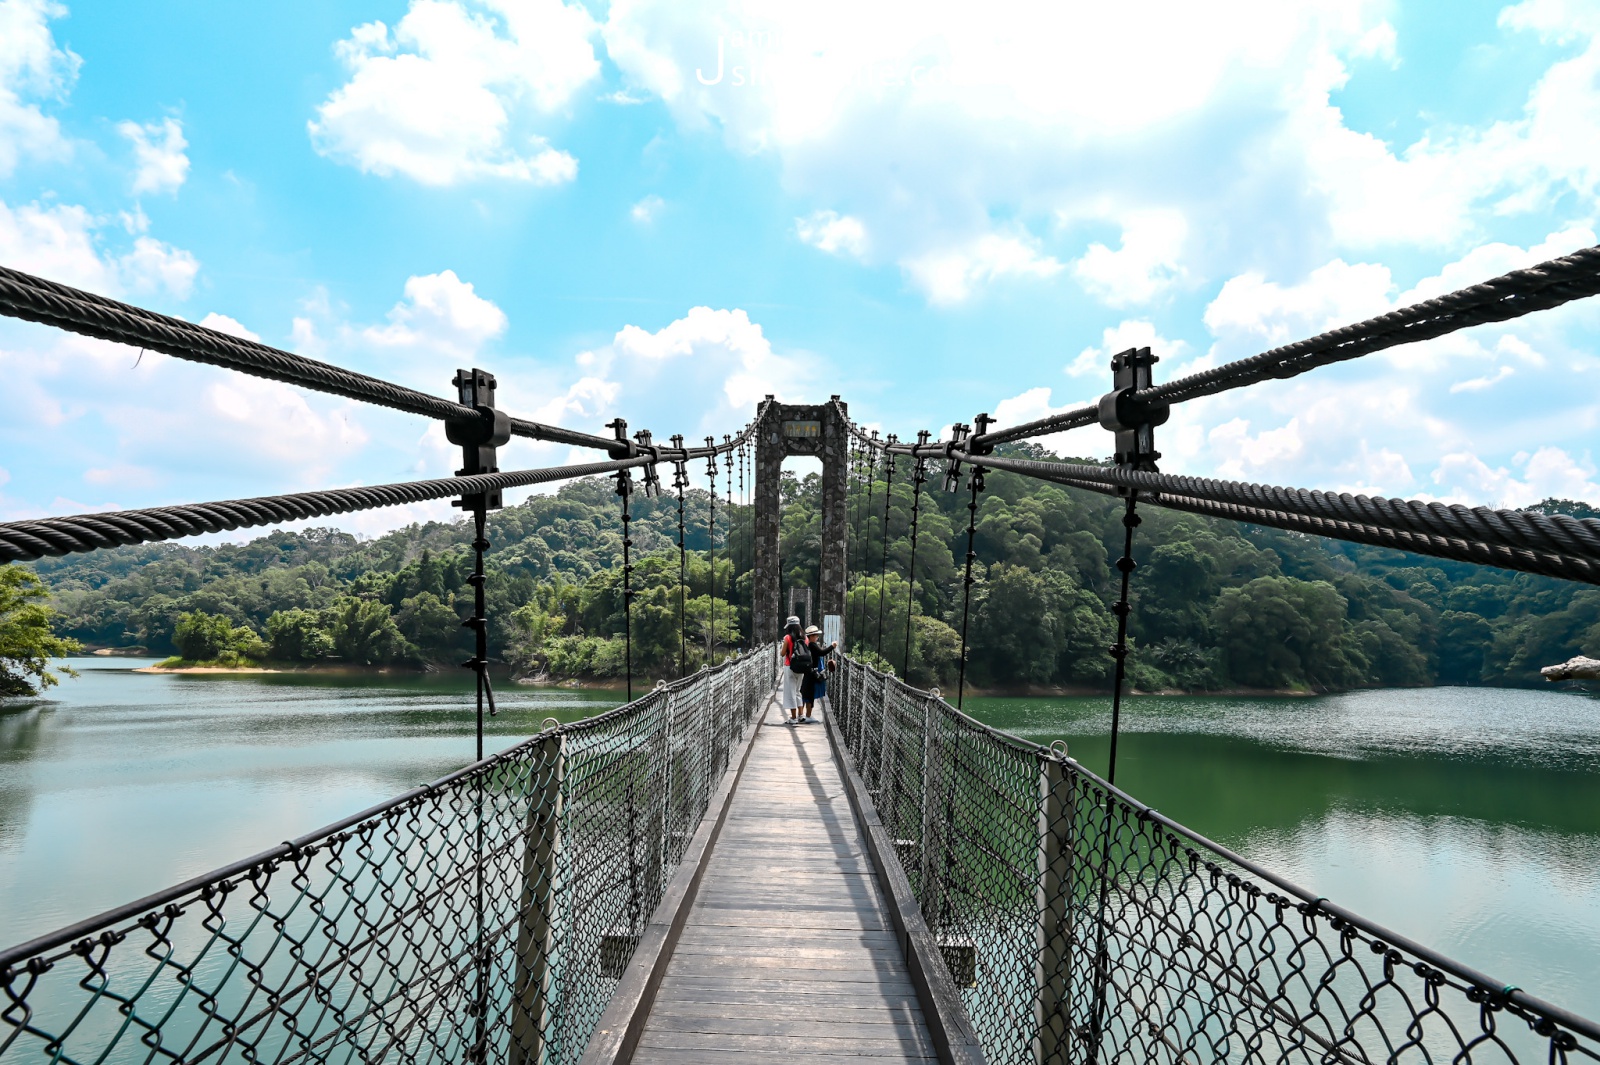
(538, 928)
(884, 769)
(928, 887)
(1053, 934)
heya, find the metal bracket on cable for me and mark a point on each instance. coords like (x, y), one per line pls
(625, 490)
(952, 465)
(478, 437)
(1126, 413)
(652, 482)
(680, 464)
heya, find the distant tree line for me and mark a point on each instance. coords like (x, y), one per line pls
(1217, 605)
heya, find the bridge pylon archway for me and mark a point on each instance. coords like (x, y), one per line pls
(819, 431)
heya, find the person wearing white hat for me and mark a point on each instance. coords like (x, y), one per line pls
(814, 684)
(789, 694)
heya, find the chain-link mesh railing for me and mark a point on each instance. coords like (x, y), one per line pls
(1082, 926)
(483, 918)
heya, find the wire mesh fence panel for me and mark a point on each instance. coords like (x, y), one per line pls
(1081, 926)
(483, 918)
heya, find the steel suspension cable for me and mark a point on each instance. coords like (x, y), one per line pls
(728, 537)
(852, 562)
(479, 664)
(883, 564)
(1511, 295)
(975, 484)
(918, 477)
(625, 490)
(865, 521)
(1119, 650)
(38, 300)
(24, 541)
(711, 547)
(680, 481)
(1552, 544)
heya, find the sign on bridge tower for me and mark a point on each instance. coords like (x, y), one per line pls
(789, 429)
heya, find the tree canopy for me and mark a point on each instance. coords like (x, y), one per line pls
(1216, 604)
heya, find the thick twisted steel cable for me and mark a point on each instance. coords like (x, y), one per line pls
(1536, 288)
(22, 541)
(37, 299)
(1566, 567)
(1551, 534)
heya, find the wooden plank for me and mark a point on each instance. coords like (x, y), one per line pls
(790, 1011)
(794, 997)
(718, 1056)
(893, 1049)
(789, 953)
(837, 983)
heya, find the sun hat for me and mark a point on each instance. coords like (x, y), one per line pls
(791, 620)
(812, 630)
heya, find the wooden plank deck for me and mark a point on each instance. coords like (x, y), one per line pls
(789, 954)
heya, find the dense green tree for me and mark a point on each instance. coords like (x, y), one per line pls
(298, 636)
(1201, 616)
(1279, 632)
(203, 637)
(27, 643)
(364, 632)
(432, 626)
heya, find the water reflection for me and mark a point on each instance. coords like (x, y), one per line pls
(1467, 819)
(118, 784)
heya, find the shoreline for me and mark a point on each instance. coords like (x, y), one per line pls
(319, 668)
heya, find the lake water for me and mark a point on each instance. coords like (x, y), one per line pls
(1468, 819)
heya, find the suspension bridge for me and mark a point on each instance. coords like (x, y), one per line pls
(675, 881)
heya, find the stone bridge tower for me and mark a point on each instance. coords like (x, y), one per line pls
(793, 429)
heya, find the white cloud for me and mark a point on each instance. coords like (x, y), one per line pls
(940, 123)
(950, 275)
(834, 233)
(158, 154)
(55, 241)
(31, 66)
(449, 95)
(1548, 472)
(1238, 451)
(263, 432)
(440, 312)
(1130, 333)
(1478, 384)
(223, 324)
(61, 242)
(1027, 407)
(705, 371)
(1249, 306)
(645, 211)
(153, 266)
(1146, 265)
(1492, 260)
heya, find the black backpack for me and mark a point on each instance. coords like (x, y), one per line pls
(800, 658)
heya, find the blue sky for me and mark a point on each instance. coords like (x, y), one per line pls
(932, 209)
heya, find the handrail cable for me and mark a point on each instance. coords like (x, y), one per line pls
(37, 299)
(1555, 545)
(24, 541)
(1511, 295)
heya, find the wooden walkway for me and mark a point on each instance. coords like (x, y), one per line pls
(789, 954)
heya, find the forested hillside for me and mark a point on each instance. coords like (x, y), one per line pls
(1217, 605)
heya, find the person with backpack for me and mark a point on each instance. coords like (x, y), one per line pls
(796, 663)
(814, 685)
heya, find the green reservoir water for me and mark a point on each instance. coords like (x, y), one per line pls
(1465, 818)
(1468, 819)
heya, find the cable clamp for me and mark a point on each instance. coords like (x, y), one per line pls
(1125, 412)
(478, 436)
